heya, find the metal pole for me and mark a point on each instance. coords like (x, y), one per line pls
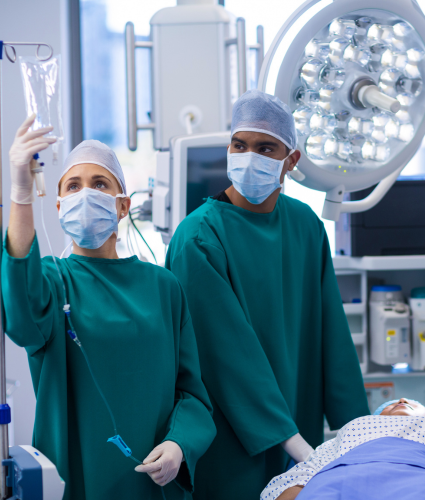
(4, 435)
(241, 48)
(260, 50)
(131, 86)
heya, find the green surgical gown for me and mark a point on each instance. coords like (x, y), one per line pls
(133, 321)
(275, 348)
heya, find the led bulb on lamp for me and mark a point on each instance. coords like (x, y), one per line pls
(376, 51)
(402, 29)
(357, 55)
(380, 33)
(409, 86)
(317, 145)
(368, 150)
(308, 97)
(317, 49)
(342, 28)
(337, 48)
(358, 125)
(379, 136)
(302, 117)
(385, 127)
(392, 128)
(309, 73)
(338, 147)
(324, 122)
(406, 100)
(342, 120)
(325, 100)
(411, 70)
(388, 81)
(380, 120)
(390, 59)
(382, 152)
(362, 26)
(332, 76)
(406, 132)
(362, 148)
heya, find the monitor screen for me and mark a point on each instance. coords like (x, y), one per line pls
(206, 174)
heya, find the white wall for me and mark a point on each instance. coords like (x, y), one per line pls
(44, 21)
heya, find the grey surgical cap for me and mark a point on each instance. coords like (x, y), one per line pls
(256, 111)
(96, 152)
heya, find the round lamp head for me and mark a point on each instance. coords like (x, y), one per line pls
(353, 78)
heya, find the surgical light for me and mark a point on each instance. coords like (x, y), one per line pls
(356, 92)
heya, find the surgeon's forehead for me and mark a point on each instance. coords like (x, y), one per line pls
(258, 138)
(87, 171)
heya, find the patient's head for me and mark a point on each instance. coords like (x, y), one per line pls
(404, 407)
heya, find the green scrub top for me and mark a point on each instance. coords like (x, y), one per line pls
(133, 321)
(274, 344)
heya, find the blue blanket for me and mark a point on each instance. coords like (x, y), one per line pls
(387, 468)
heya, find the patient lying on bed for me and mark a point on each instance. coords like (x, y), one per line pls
(386, 459)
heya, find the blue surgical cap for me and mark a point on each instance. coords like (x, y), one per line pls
(388, 403)
(256, 111)
(96, 152)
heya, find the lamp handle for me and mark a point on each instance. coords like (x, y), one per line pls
(333, 208)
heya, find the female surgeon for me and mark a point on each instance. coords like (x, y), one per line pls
(132, 320)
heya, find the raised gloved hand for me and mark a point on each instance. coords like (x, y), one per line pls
(298, 448)
(163, 463)
(24, 147)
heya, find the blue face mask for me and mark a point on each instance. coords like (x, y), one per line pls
(89, 217)
(254, 176)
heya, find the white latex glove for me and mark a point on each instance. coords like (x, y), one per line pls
(163, 463)
(25, 145)
(298, 448)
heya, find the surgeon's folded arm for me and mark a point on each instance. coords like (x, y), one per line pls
(235, 367)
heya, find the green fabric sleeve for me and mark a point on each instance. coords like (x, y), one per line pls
(344, 393)
(235, 368)
(28, 300)
(191, 425)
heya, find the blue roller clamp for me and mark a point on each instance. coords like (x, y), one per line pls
(119, 441)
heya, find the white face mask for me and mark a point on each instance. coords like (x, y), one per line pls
(253, 175)
(89, 217)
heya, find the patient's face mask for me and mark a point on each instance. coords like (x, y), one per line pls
(253, 175)
(89, 217)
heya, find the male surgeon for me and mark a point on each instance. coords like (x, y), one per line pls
(275, 349)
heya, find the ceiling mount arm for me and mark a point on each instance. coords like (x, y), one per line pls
(333, 208)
